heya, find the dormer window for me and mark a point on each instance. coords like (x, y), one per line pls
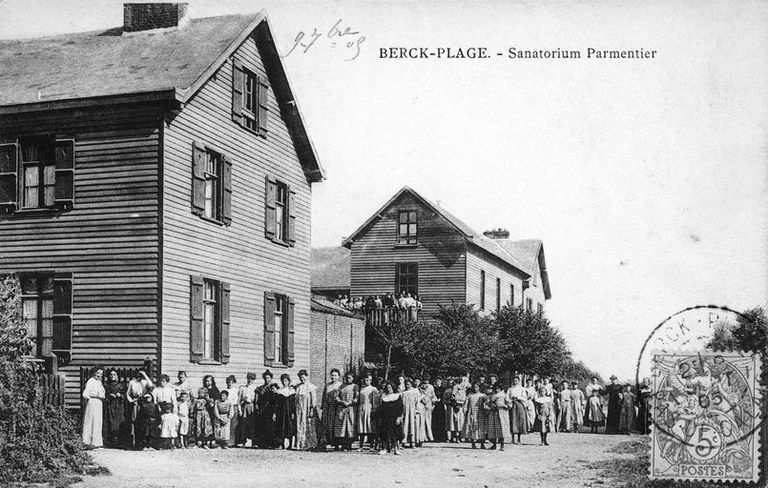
(407, 227)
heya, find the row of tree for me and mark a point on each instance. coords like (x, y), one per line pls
(458, 340)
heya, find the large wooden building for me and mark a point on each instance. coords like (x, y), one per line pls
(415, 246)
(155, 187)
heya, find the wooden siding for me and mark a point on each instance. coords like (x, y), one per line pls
(478, 260)
(440, 253)
(108, 241)
(239, 254)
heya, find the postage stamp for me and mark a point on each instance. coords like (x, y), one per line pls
(706, 416)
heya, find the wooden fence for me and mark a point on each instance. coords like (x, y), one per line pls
(124, 375)
(50, 388)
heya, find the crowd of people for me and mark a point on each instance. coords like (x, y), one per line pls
(386, 417)
(404, 305)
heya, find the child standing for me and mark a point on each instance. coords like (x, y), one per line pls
(203, 429)
(169, 426)
(595, 416)
(224, 412)
(147, 419)
(183, 414)
(545, 413)
(498, 417)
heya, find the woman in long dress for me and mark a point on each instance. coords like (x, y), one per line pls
(430, 399)
(545, 413)
(567, 413)
(517, 398)
(330, 408)
(368, 401)
(579, 402)
(263, 425)
(413, 427)
(391, 414)
(114, 410)
(530, 408)
(476, 420)
(457, 398)
(285, 415)
(233, 396)
(346, 421)
(306, 413)
(498, 416)
(93, 419)
(643, 399)
(627, 414)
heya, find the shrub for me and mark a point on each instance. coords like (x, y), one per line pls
(38, 442)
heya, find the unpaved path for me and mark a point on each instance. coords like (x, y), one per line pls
(563, 465)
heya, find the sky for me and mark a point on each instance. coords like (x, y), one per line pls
(645, 178)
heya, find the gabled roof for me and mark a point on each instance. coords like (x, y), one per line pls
(97, 67)
(330, 268)
(529, 252)
(472, 237)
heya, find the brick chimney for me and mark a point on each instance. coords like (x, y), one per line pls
(497, 233)
(147, 16)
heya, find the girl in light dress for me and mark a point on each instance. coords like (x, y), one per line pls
(497, 406)
(183, 414)
(169, 426)
(476, 419)
(413, 421)
(545, 413)
(330, 407)
(224, 412)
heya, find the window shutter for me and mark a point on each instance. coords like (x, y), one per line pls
(62, 314)
(289, 333)
(292, 218)
(269, 212)
(226, 194)
(238, 88)
(64, 155)
(263, 105)
(269, 328)
(9, 174)
(198, 179)
(397, 280)
(224, 323)
(196, 319)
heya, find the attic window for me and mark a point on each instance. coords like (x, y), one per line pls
(250, 99)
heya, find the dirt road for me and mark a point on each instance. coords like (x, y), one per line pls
(563, 464)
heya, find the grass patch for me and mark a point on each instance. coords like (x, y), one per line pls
(632, 472)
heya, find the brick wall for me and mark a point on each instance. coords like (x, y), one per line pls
(336, 341)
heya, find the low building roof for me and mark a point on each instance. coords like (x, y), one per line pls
(322, 304)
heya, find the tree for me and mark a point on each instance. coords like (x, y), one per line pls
(577, 371)
(528, 344)
(14, 341)
(456, 341)
(750, 333)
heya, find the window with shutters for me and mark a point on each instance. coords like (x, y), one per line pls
(209, 320)
(278, 330)
(407, 227)
(46, 302)
(482, 290)
(250, 98)
(280, 213)
(37, 173)
(407, 276)
(212, 184)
